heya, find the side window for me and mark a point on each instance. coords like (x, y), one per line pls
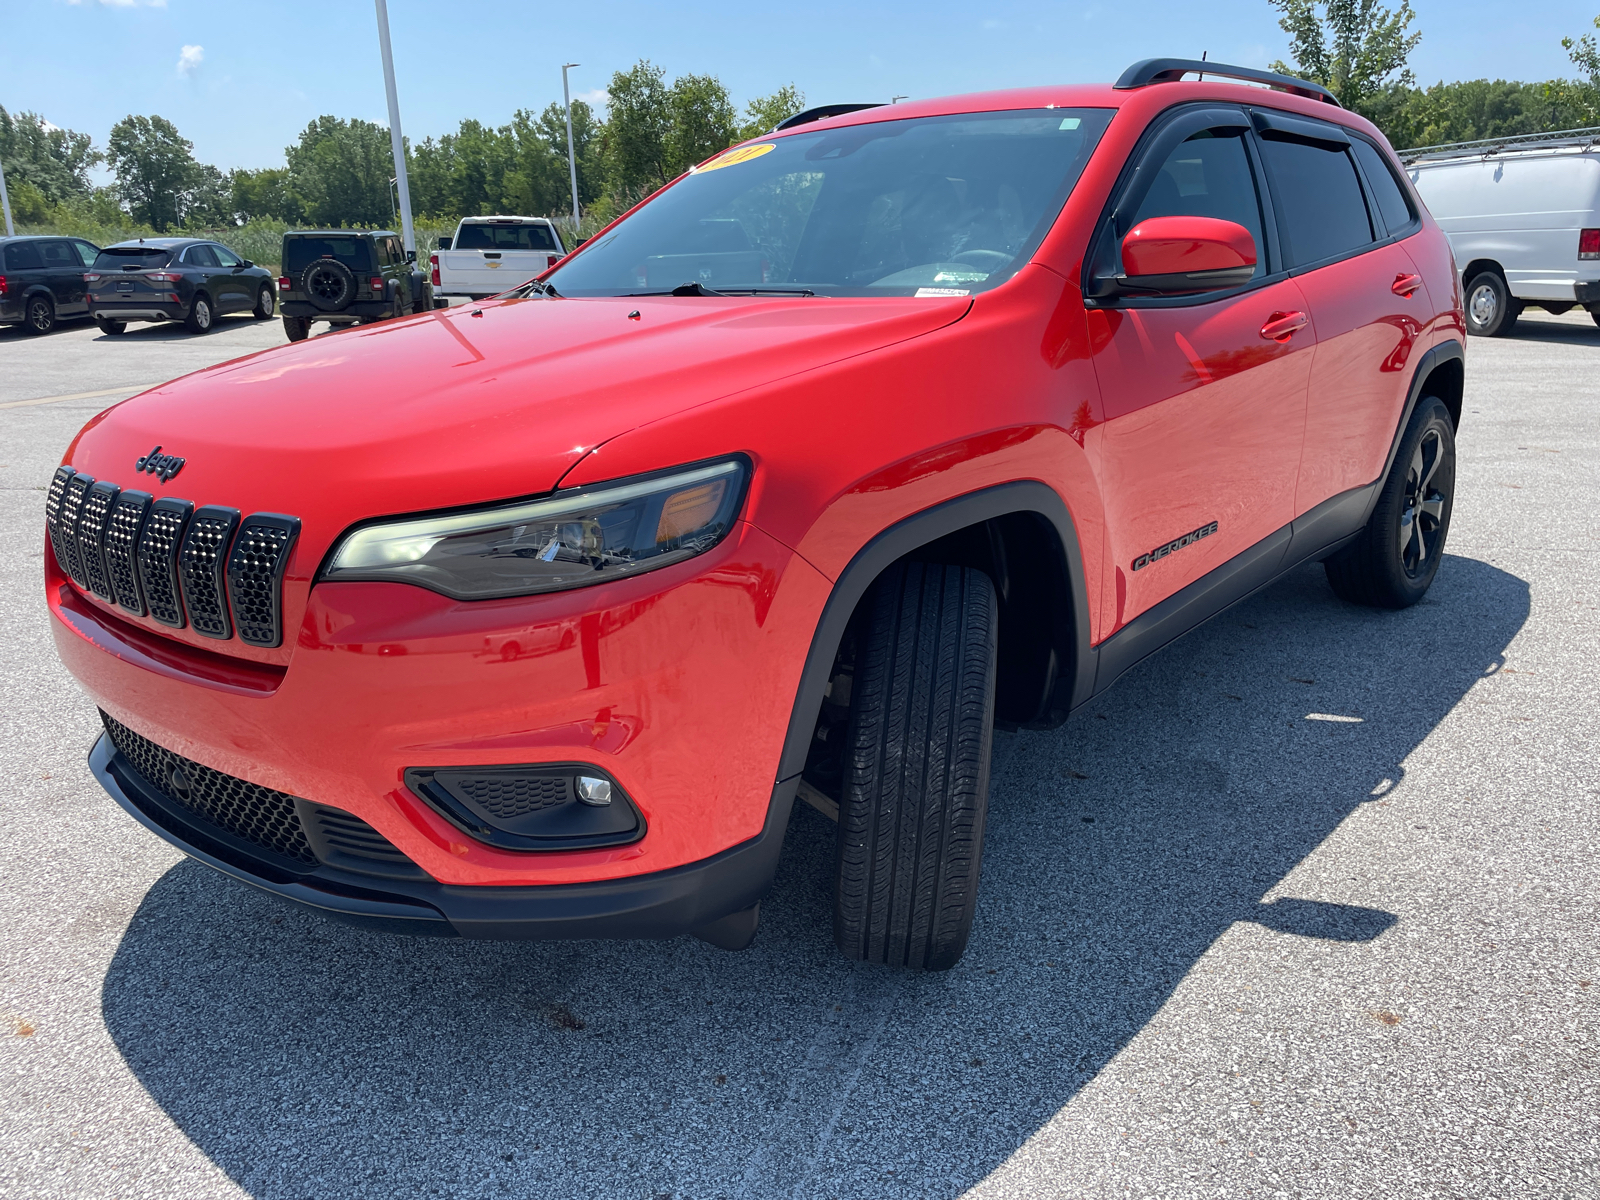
(225, 257)
(397, 251)
(23, 256)
(199, 256)
(1208, 175)
(380, 246)
(1321, 211)
(86, 252)
(58, 256)
(1392, 205)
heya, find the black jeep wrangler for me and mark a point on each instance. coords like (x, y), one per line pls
(348, 277)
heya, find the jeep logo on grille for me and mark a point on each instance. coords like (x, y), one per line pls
(162, 466)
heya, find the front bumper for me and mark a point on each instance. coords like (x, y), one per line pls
(707, 898)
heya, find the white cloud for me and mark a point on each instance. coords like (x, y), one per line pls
(596, 96)
(189, 60)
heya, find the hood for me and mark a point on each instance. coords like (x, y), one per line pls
(467, 405)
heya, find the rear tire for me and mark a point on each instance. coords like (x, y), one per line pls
(266, 303)
(297, 329)
(916, 781)
(1394, 560)
(200, 316)
(1491, 312)
(112, 328)
(38, 315)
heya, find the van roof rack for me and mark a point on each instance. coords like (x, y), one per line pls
(821, 113)
(1170, 70)
(1483, 147)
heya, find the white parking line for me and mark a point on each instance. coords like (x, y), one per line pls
(116, 391)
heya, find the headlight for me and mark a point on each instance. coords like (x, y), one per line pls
(564, 541)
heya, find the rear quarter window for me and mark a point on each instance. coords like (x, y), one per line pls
(1322, 212)
(1391, 200)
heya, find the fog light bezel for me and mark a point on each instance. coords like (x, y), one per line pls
(574, 824)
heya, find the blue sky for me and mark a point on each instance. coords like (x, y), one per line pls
(242, 79)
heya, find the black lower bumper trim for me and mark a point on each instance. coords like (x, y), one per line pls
(350, 312)
(660, 905)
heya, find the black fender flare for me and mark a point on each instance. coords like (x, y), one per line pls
(898, 540)
(1450, 351)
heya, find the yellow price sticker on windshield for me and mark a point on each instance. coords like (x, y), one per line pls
(733, 158)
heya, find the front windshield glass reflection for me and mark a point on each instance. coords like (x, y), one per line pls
(891, 208)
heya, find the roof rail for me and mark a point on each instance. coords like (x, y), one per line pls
(1556, 138)
(821, 113)
(1170, 70)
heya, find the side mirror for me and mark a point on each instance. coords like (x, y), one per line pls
(247, 263)
(411, 256)
(444, 243)
(1166, 255)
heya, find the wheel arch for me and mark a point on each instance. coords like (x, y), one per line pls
(1477, 267)
(1440, 372)
(1023, 536)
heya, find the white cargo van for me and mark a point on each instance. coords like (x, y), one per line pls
(490, 255)
(1523, 218)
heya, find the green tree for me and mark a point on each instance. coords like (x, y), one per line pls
(1357, 49)
(587, 143)
(341, 171)
(1584, 95)
(53, 161)
(701, 122)
(155, 169)
(636, 133)
(765, 113)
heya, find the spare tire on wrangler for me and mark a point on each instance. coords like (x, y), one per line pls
(329, 285)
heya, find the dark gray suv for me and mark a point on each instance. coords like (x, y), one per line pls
(348, 277)
(176, 279)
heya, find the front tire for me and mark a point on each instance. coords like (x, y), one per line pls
(266, 303)
(199, 318)
(38, 315)
(916, 780)
(1394, 560)
(1491, 312)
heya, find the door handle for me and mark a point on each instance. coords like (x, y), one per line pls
(1281, 326)
(1405, 283)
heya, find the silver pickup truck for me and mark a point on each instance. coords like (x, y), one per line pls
(490, 255)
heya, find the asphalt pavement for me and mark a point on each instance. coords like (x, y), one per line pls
(1225, 945)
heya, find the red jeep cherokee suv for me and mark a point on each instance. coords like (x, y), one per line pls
(533, 619)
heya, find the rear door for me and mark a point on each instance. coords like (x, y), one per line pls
(235, 290)
(1365, 293)
(1204, 395)
(64, 276)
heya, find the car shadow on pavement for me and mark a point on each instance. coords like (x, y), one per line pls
(310, 1059)
(1564, 332)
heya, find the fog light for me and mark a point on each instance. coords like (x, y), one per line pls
(594, 791)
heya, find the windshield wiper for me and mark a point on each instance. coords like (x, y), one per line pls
(700, 289)
(532, 287)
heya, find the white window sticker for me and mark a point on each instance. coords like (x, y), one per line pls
(925, 292)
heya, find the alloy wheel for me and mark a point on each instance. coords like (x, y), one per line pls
(1482, 304)
(39, 316)
(202, 314)
(1424, 506)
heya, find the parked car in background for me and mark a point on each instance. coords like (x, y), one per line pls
(348, 277)
(545, 610)
(490, 255)
(192, 280)
(42, 282)
(1523, 218)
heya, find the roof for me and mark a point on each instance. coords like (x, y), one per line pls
(340, 233)
(163, 243)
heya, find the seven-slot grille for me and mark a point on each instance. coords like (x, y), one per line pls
(171, 561)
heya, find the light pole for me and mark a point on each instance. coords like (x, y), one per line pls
(396, 141)
(572, 159)
(5, 200)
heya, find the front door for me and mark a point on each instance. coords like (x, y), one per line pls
(1204, 397)
(233, 285)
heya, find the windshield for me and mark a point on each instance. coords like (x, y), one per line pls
(300, 253)
(936, 206)
(505, 237)
(131, 258)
